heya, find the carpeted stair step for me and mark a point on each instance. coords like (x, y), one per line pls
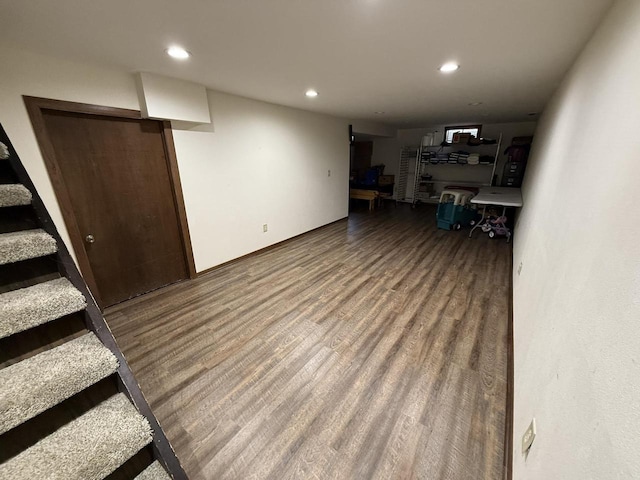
(14, 195)
(89, 447)
(28, 307)
(155, 471)
(38, 383)
(16, 246)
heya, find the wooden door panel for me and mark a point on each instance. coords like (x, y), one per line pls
(118, 181)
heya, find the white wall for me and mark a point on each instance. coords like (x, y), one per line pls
(372, 128)
(577, 299)
(258, 163)
(170, 98)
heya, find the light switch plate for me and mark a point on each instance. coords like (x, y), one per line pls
(529, 436)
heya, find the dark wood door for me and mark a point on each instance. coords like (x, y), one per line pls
(362, 153)
(117, 176)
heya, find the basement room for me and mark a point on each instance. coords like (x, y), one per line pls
(302, 240)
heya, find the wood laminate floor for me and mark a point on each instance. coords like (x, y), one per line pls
(373, 348)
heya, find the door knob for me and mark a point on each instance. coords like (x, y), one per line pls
(90, 239)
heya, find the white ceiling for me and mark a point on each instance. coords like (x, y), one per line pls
(363, 56)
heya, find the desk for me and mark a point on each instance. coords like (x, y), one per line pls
(500, 196)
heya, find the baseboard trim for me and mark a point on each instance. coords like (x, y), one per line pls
(508, 434)
(265, 249)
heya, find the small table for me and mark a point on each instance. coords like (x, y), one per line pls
(361, 194)
(501, 196)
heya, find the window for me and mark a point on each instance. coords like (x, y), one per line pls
(472, 129)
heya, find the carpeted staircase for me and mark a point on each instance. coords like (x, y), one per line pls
(69, 405)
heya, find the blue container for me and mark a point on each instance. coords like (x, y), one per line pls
(450, 216)
(371, 176)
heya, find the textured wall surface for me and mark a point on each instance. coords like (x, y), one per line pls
(577, 299)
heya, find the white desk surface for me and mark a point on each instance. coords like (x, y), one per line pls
(503, 196)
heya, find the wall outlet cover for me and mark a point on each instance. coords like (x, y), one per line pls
(264, 227)
(529, 436)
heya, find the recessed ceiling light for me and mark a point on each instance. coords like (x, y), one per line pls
(311, 93)
(178, 52)
(475, 104)
(449, 67)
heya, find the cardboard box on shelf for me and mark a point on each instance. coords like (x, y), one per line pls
(386, 179)
(461, 137)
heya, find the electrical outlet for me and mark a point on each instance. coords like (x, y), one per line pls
(264, 227)
(519, 268)
(529, 436)
(328, 173)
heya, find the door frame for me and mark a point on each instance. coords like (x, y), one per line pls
(35, 105)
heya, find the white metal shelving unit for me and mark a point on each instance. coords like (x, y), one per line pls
(445, 173)
(408, 155)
